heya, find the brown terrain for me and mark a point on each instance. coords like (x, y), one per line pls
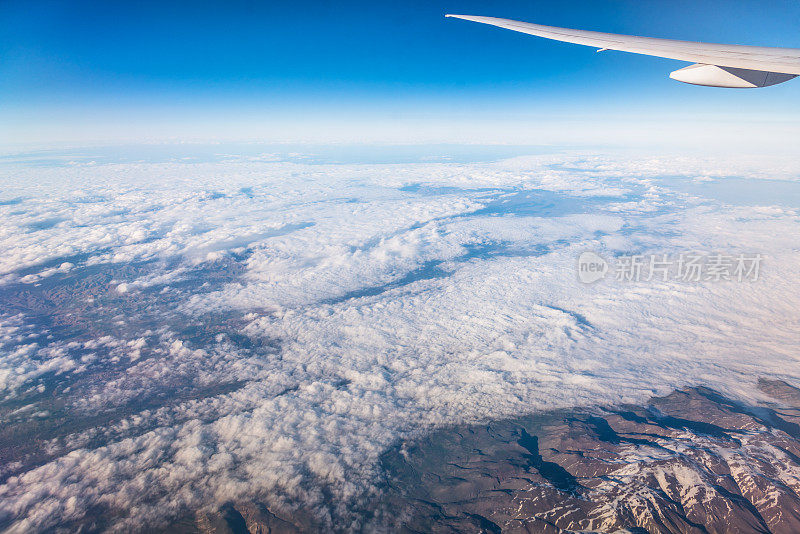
(691, 462)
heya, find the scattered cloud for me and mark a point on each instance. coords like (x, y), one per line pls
(272, 327)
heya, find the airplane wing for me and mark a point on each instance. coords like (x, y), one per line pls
(715, 65)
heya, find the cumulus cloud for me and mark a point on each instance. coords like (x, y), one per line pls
(305, 316)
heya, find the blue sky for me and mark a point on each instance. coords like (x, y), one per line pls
(69, 67)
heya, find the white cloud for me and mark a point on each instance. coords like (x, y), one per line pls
(396, 298)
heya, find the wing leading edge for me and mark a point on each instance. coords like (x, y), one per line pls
(717, 65)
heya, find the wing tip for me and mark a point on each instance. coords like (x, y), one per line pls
(476, 18)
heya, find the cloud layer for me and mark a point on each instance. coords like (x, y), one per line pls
(265, 329)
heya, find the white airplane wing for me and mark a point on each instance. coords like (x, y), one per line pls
(714, 65)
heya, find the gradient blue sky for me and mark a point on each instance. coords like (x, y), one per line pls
(71, 70)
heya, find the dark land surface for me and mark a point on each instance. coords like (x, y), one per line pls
(691, 462)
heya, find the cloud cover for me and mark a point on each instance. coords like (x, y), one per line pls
(285, 322)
